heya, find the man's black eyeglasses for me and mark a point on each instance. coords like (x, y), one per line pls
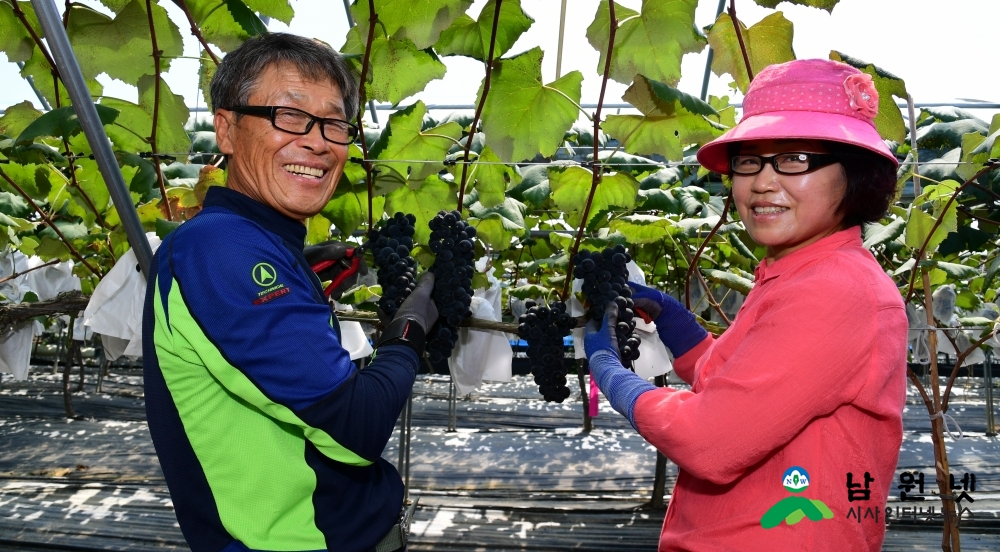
(296, 121)
(797, 162)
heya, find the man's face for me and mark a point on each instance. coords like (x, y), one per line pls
(295, 175)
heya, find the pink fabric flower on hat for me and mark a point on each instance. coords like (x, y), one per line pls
(861, 91)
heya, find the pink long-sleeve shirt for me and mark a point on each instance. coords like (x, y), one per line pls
(811, 375)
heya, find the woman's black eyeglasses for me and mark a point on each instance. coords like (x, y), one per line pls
(296, 121)
(797, 162)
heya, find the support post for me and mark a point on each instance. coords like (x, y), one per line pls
(581, 369)
(452, 404)
(991, 427)
(83, 105)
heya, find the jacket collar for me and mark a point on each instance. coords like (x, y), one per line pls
(767, 271)
(290, 230)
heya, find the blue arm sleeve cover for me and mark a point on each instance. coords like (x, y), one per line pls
(621, 386)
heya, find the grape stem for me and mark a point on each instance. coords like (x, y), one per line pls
(596, 166)
(370, 174)
(165, 206)
(739, 37)
(482, 104)
(693, 264)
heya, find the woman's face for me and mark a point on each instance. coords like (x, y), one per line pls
(788, 212)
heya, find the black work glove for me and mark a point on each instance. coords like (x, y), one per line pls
(419, 306)
(338, 252)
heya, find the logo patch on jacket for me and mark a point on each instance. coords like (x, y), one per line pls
(793, 509)
(265, 276)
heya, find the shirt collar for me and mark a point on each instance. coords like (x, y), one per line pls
(766, 271)
(289, 229)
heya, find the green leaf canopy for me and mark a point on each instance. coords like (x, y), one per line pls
(522, 116)
(121, 47)
(397, 69)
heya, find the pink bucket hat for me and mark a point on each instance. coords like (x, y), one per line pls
(813, 99)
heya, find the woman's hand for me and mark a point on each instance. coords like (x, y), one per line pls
(621, 386)
(677, 327)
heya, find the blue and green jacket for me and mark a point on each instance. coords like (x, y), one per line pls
(268, 436)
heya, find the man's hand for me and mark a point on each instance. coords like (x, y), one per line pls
(677, 327)
(419, 306)
(601, 336)
(340, 254)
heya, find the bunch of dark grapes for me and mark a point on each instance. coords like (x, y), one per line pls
(397, 271)
(451, 242)
(605, 280)
(544, 329)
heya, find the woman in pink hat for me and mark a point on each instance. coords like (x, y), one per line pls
(789, 437)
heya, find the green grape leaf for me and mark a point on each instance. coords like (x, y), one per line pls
(491, 181)
(62, 122)
(769, 41)
(468, 37)
(71, 230)
(246, 18)
(13, 205)
(206, 70)
(571, 187)
(499, 224)
(33, 179)
(90, 180)
(889, 121)
(217, 24)
(651, 43)
(530, 291)
(522, 116)
(641, 229)
(419, 21)
(276, 9)
(670, 122)
(919, 224)
(121, 47)
(732, 281)
(403, 139)
(136, 121)
(423, 200)
(821, 4)
(877, 234)
(991, 272)
(15, 41)
(359, 294)
(317, 229)
(398, 69)
(18, 116)
(660, 200)
(348, 208)
(955, 270)
(40, 71)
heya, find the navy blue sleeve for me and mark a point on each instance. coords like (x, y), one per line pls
(260, 309)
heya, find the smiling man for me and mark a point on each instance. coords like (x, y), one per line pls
(268, 436)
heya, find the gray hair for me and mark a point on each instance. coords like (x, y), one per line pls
(237, 74)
